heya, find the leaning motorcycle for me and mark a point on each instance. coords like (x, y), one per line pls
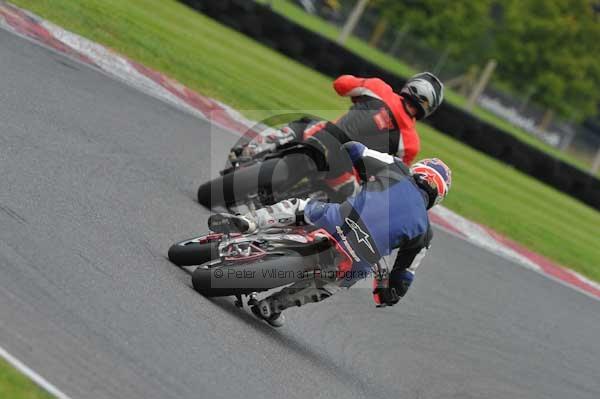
(292, 170)
(235, 264)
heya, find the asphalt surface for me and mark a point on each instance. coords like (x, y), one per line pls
(97, 180)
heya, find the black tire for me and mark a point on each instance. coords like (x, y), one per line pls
(244, 278)
(273, 176)
(192, 253)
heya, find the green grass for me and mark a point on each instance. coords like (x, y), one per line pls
(358, 46)
(14, 385)
(222, 63)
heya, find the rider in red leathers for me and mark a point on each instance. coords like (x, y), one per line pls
(380, 118)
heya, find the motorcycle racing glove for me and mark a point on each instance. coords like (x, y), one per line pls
(389, 292)
(385, 296)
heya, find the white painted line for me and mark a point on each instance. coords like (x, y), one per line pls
(35, 377)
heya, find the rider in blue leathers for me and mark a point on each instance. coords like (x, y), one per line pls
(389, 212)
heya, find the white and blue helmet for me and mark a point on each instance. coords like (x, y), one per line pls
(425, 91)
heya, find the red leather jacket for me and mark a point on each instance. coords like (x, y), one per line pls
(383, 123)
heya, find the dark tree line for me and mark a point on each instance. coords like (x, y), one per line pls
(549, 49)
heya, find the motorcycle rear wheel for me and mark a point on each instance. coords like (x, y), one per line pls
(272, 178)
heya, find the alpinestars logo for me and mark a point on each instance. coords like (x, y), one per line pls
(347, 244)
(361, 236)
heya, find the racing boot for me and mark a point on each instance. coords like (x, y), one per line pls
(281, 214)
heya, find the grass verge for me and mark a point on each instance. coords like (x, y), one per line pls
(220, 62)
(360, 47)
(14, 385)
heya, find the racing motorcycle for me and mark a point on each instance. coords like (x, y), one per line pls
(233, 264)
(228, 263)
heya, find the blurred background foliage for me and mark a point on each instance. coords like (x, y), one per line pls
(548, 50)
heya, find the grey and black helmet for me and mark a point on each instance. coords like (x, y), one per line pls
(425, 91)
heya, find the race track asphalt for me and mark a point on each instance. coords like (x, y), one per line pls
(97, 180)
